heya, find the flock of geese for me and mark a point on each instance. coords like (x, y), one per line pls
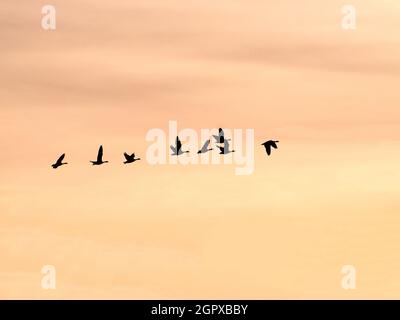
(177, 150)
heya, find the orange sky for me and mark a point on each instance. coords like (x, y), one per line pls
(329, 196)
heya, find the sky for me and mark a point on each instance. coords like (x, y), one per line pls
(112, 71)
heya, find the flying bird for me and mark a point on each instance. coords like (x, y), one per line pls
(130, 158)
(99, 160)
(220, 138)
(59, 162)
(205, 148)
(268, 144)
(225, 148)
(177, 149)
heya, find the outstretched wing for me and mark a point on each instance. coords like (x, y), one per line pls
(100, 154)
(173, 149)
(178, 144)
(221, 132)
(60, 159)
(127, 156)
(133, 156)
(205, 146)
(226, 146)
(273, 144)
(267, 148)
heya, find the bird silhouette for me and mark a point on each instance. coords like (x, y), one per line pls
(59, 162)
(268, 144)
(130, 158)
(177, 149)
(225, 148)
(220, 138)
(205, 148)
(99, 160)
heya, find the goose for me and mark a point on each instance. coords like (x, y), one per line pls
(130, 158)
(59, 162)
(205, 149)
(268, 144)
(225, 148)
(99, 160)
(177, 149)
(220, 138)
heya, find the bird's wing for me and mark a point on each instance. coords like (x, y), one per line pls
(205, 146)
(60, 159)
(178, 144)
(268, 149)
(100, 154)
(127, 156)
(216, 138)
(221, 132)
(133, 156)
(273, 144)
(226, 145)
(173, 149)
